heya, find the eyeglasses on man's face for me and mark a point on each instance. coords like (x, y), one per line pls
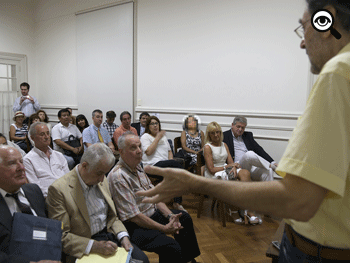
(300, 30)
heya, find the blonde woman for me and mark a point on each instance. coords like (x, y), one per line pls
(218, 160)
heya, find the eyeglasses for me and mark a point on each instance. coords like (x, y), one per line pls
(300, 30)
(154, 123)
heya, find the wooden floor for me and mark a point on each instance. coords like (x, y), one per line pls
(233, 243)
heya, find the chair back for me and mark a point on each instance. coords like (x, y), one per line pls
(177, 144)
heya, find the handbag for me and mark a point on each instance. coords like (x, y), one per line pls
(182, 154)
(36, 238)
(73, 142)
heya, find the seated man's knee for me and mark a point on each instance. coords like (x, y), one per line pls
(249, 154)
(244, 175)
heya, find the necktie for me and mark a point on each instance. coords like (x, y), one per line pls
(99, 135)
(23, 207)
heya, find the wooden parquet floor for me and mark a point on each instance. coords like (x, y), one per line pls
(230, 244)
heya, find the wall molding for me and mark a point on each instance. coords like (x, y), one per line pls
(221, 113)
(120, 2)
(58, 107)
(263, 137)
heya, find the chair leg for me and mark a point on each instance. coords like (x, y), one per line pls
(200, 205)
(222, 212)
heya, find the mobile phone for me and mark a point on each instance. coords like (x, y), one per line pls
(276, 244)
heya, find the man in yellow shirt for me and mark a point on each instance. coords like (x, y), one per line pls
(314, 195)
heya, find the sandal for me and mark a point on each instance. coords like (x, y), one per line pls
(253, 220)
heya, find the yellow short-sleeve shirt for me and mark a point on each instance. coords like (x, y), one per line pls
(319, 151)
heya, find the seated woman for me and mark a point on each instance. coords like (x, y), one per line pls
(43, 118)
(192, 139)
(156, 151)
(19, 131)
(218, 160)
(81, 122)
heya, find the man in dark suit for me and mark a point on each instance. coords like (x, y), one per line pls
(12, 181)
(247, 152)
(141, 126)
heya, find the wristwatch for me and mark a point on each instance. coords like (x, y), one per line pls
(170, 215)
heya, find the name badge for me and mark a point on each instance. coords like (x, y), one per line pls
(39, 234)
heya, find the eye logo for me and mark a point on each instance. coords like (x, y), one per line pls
(323, 20)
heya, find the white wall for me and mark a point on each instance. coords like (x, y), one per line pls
(214, 58)
(223, 58)
(17, 33)
(55, 35)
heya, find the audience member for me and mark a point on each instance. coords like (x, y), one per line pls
(64, 132)
(15, 196)
(82, 122)
(4, 141)
(156, 151)
(218, 159)
(247, 152)
(43, 165)
(72, 120)
(19, 131)
(192, 139)
(32, 119)
(26, 103)
(149, 224)
(81, 200)
(96, 133)
(109, 124)
(141, 125)
(44, 118)
(125, 118)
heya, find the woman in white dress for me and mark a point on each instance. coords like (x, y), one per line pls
(218, 160)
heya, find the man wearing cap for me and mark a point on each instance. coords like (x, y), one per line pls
(26, 103)
(109, 124)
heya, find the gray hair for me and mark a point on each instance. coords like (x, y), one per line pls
(96, 153)
(122, 138)
(240, 119)
(6, 147)
(32, 129)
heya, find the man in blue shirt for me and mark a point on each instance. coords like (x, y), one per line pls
(96, 133)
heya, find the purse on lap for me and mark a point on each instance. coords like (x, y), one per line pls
(74, 142)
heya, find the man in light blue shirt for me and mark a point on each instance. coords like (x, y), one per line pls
(96, 133)
(26, 103)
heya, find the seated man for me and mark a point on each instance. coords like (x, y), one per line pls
(247, 152)
(109, 124)
(149, 224)
(96, 133)
(125, 118)
(60, 135)
(81, 200)
(15, 196)
(141, 126)
(4, 141)
(43, 165)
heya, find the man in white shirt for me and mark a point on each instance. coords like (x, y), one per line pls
(60, 135)
(26, 103)
(43, 165)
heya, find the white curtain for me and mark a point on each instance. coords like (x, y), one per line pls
(7, 98)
